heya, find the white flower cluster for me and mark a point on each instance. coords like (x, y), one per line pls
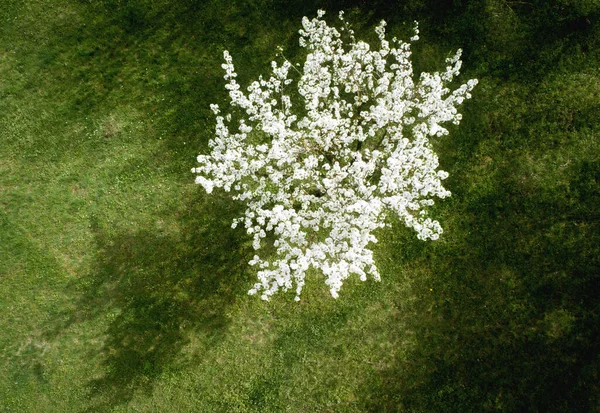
(318, 180)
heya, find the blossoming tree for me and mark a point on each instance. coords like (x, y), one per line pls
(318, 180)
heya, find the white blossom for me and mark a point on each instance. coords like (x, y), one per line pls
(323, 178)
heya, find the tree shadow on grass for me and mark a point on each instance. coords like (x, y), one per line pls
(507, 317)
(154, 288)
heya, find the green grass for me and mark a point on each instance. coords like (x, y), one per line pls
(123, 287)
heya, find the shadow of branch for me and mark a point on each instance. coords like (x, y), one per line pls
(155, 288)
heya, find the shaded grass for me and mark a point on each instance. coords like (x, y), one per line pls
(155, 291)
(124, 288)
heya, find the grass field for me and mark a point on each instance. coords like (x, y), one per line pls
(123, 287)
